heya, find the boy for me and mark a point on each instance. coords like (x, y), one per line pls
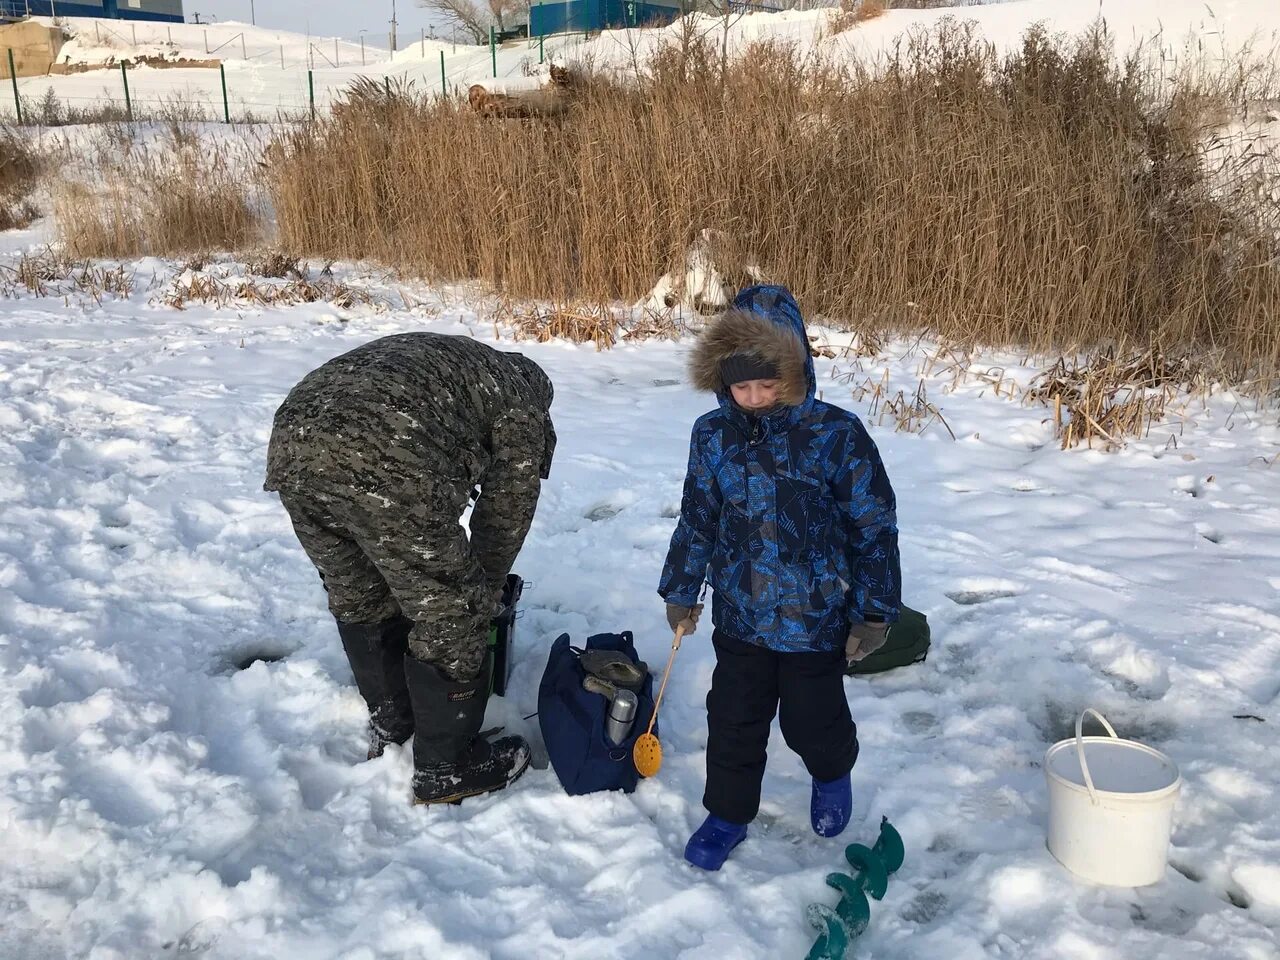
(787, 510)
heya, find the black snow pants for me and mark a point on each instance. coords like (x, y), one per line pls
(752, 683)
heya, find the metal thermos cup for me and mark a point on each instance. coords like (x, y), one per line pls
(622, 714)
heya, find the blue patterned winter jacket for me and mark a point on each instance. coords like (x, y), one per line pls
(789, 514)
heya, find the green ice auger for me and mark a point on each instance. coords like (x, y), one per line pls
(872, 866)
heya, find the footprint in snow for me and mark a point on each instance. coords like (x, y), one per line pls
(243, 658)
(919, 721)
(1208, 533)
(1230, 892)
(114, 532)
(1057, 722)
(603, 511)
(925, 907)
(968, 598)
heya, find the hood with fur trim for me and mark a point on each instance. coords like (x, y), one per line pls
(766, 321)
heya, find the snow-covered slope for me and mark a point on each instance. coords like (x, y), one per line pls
(96, 41)
(268, 70)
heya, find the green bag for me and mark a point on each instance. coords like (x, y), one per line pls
(906, 643)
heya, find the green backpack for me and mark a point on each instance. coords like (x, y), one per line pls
(907, 643)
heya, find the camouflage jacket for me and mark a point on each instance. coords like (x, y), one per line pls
(423, 417)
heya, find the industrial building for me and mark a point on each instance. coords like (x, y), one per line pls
(163, 10)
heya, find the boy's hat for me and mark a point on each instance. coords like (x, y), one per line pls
(748, 345)
(739, 367)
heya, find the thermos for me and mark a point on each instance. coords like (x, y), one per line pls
(621, 716)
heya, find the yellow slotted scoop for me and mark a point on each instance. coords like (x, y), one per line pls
(647, 752)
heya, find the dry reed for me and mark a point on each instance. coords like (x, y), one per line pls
(178, 196)
(850, 13)
(19, 170)
(51, 273)
(1052, 198)
(222, 292)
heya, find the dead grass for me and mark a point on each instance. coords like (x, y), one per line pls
(51, 111)
(19, 172)
(1105, 398)
(925, 4)
(654, 325)
(578, 323)
(850, 13)
(234, 291)
(179, 197)
(908, 413)
(1051, 199)
(52, 273)
(277, 264)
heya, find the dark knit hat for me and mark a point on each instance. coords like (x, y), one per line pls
(738, 367)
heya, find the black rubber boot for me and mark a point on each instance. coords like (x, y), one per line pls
(451, 760)
(376, 652)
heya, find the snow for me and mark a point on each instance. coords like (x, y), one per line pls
(240, 44)
(267, 70)
(180, 738)
(181, 744)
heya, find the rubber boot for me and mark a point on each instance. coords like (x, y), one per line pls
(830, 806)
(451, 760)
(376, 654)
(712, 842)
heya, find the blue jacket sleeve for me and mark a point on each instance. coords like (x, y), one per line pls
(695, 534)
(867, 502)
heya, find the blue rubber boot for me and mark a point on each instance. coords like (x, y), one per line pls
(711, 843)
(831, 806)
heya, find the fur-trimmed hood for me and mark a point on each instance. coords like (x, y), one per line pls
(766, 321)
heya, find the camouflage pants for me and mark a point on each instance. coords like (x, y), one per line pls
(379, 559)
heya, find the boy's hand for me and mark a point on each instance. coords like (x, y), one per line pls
(688, 616)
(864, 639)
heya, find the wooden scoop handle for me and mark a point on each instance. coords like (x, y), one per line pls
(675, 645)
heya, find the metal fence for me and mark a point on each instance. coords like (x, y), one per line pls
(240, 95)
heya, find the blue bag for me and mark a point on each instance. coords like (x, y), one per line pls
(572, 720)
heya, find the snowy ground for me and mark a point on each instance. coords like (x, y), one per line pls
(179, 734)
(162, 796)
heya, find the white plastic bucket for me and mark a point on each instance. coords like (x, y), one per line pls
(1110, 807)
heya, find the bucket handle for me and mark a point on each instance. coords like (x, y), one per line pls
(1084, 764)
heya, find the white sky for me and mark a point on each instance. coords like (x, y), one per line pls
(324, 18)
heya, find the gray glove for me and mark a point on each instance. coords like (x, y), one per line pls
(864, 639)
(688, 616)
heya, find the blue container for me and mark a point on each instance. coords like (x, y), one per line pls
(578, 16)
